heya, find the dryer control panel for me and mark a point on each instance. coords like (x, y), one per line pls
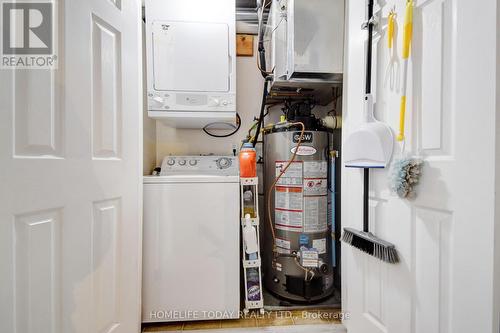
(203, 165)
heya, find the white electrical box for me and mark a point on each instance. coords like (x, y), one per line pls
(191, 73)
(306, 43)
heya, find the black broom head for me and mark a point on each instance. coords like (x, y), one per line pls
(370, 244)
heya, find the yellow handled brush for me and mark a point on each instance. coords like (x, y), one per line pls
(408, 32)
(405, 170)
(390, 29)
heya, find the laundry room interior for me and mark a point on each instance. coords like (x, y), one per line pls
(274, 279)
(261, 166)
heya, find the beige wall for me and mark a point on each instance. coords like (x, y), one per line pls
(172, 141)
(149, 125)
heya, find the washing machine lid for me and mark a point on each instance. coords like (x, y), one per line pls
(190, 179)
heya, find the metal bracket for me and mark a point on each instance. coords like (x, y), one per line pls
(373, 21)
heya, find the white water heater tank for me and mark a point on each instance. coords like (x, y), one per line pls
(191, 73)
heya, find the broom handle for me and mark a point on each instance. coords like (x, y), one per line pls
(369, 50)
(368, 89)
(366, 200)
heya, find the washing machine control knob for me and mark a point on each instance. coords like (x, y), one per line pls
(213, 102)
(182, 162)
(193, 162)
(171, 161)
(223, 163)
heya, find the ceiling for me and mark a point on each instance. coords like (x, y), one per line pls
(246, 15)
(246, 4)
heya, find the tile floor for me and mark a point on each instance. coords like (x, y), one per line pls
(322, 328)
(321, 320)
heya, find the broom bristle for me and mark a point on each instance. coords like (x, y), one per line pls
(370, 244)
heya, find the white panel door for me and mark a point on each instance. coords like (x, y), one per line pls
(444, 282)
(70, 160)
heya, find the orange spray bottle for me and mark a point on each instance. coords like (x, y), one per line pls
(248, 161)
(248, 169)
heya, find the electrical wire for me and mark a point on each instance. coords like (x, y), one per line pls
(274, 29)
(262, 112)
(269, 215)
(238, 122)
(306, 271)
(256, 121)
(250, 136)
(261, 64)
(260, 34)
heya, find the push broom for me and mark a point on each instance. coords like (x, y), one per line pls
(369, 146)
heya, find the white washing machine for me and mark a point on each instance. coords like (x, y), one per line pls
(191, 254)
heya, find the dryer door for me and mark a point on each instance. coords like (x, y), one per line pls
(191, 56)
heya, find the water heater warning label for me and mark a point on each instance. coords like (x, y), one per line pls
(315, 169)
(315, 186)
(301, 196)
(288, 220)
(315, 219)
(292, 175)
(288, 198)
(283, 243)
(319, 245)
(288, 208)
(289, 204)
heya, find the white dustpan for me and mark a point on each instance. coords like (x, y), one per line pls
(370, 145)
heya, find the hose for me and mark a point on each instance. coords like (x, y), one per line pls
(269, 215)
(236, 129)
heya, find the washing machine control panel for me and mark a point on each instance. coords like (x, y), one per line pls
(209, 165)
